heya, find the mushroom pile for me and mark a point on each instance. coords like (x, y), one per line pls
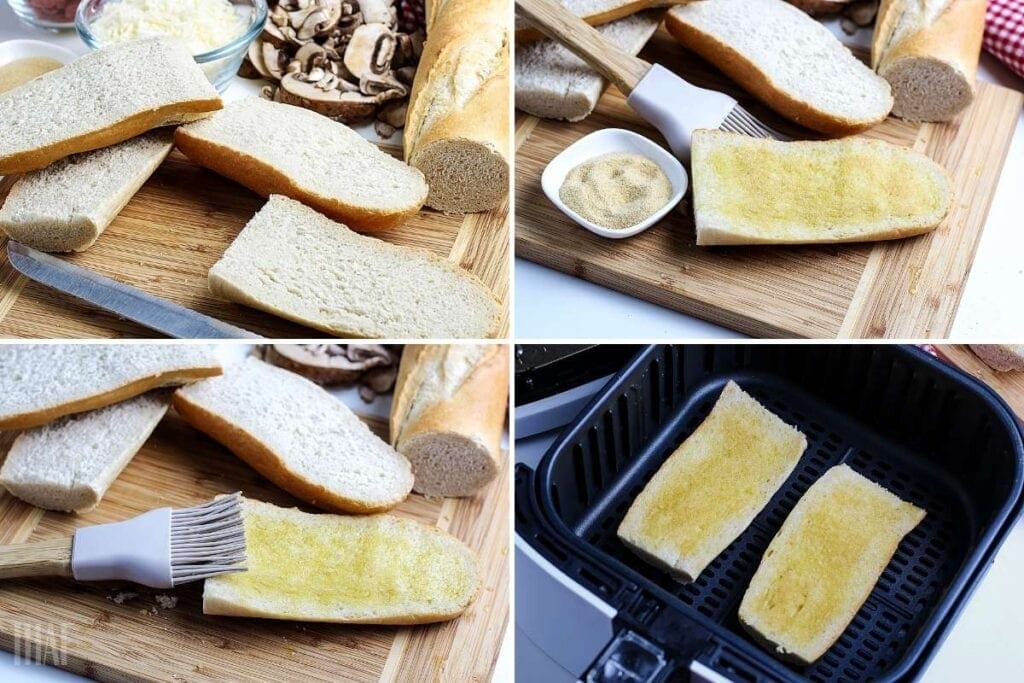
(346, 59)
(373, 367)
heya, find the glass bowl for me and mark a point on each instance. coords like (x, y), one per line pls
(54, 15)
(220, 64)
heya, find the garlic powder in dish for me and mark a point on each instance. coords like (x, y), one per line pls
(203, 25)
(617, 190)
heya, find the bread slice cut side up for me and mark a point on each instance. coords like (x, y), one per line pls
(42, 382)
(68, 204)
(749, 191)
(823, 564)
(295, 263)
(70, 463)
(298, 436)
(103, 98)
(377, 569)
(276, 148)
(787, 60)
(710, 489)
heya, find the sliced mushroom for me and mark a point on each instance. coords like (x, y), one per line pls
(339, 104)
(309, 55)
(370, 50)
(393, 113)
(376, 12)
(272, 61)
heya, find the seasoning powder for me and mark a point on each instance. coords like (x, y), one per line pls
(616, 190)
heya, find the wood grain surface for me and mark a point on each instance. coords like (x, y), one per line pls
(80, 627)
(181, 222)
(1009, 385)
(906, 289)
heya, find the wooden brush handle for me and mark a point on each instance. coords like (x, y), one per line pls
(43, 558)
(556, 22)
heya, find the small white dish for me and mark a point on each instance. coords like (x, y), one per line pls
(12, 50)
(608, 141)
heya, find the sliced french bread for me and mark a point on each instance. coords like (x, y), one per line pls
(42, 382)
(786, 59)
(752, 191)
(710, 489)
(1001, 357)
(295, 263)
(298, 436)
(823, 564)
(275, 148)
(68, 204)
(103, 98)
(447, 415)
(378, 569)
(70, 463)
(553, 83)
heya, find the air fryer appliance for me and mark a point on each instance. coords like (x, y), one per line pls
(928, 432)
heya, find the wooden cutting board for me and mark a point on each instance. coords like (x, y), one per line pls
(1009, 385)
(80, 627)
(181, 222)
(909, 288)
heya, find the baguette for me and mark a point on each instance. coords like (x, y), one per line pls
(457, 128)
(67, 205)
(42, 382)
(1001, 357)
(749, 191)
(275, 148)
(928, 51)
(594, 12)
(447, 415)
(297, 264)
(553, 83)
(106, 97)
(822, 565)
(69, 464)
(711, 488)
(298, 436)
(379, 569)
(787, 60)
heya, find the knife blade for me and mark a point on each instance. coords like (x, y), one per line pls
(126, 301)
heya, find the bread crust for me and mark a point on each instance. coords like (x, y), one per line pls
(125, 129)
(755, 81)
(122, 393)
(628, 8)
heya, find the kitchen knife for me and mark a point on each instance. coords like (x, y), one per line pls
(128, 302)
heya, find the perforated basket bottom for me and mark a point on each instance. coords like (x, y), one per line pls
(907, 591)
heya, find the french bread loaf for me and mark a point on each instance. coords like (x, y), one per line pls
(42, 382)
(1001, 357)
(68, 204)
(553, 83)
(295, 263)
(103, 98)
(928, 51)
(786, 59)
(752, 191)
(594, 12)
(447, 415)
(378, 569)
(457, 127)
(823, 564)
(275, 148)
(710, 489)
(298, 436)
(70, 463)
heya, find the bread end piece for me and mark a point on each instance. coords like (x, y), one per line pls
(1001, 357)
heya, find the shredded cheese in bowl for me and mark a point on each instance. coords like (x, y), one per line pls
(203, 25)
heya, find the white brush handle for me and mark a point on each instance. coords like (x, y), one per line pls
(137, 549)
(42, 558)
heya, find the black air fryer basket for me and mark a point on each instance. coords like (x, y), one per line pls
(925, 431)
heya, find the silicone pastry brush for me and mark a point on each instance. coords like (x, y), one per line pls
(671, 104)
(161, 548)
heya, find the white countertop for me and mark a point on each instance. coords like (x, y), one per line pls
(550, 304)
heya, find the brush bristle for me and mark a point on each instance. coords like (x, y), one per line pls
(739, 120)
(207, 540)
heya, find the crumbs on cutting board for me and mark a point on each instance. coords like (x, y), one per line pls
(159, 600)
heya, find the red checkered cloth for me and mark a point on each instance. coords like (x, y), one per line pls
(1004, 32)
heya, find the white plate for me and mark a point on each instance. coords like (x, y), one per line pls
(20, 49)
(607, 141)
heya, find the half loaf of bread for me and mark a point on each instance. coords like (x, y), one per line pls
(101, 99)
(710, 489)
(275, 148)
(752, 191)
(68, 204)
(822, 565)
(293, 262)
(70, 463)
(298, 436)
(378, 569)
(41, 382)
